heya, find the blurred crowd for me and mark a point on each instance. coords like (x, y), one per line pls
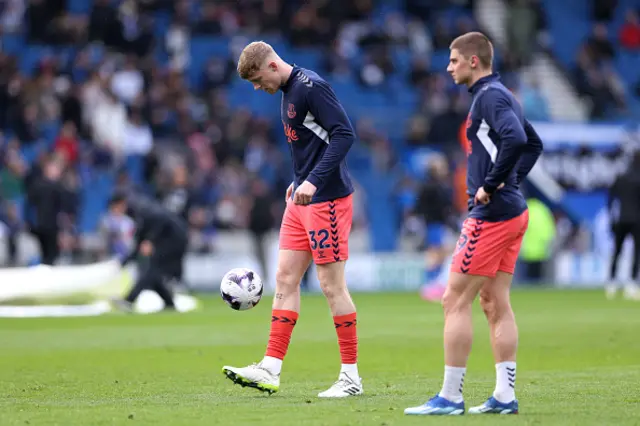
(594, 74)
(112, 100)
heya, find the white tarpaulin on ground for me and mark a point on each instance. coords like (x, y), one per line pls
(60, 291)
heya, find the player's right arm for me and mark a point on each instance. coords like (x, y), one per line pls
(328, 111)
(531, 152)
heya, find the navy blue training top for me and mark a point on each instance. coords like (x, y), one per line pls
(502, 147)
(319, 134)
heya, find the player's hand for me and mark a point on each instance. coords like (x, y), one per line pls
(289, 191)
(304, 193)
(482, 197)
(146, 248)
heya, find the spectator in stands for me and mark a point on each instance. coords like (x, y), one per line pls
(521, 29)
(600, 48)
(12, 15)
(12, 225)
(307, 28)
(210, 23)
(127, 83)
(630, 31)
(599, 82)
(218, 73)
(67, 143)
(45, 200)
(68, 240)
(108, 123)
(442, 36)
(137, 138)
(534, 103)
(26, 126)
(177, 43)
(40, 15)
(13, 169)
(104, 26)
(603, 10)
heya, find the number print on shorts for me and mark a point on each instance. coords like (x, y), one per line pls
(319, 239)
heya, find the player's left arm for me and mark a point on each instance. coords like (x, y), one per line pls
(330, 114)
(499, 114)
(531, 152)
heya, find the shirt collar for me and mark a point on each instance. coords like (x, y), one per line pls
(488, 79)
(287, 85)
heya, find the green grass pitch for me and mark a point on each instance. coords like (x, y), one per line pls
(578, 364)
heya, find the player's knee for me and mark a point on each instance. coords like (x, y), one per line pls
(287, 280)
(331, 289)
(451, 301)
(331, 278)
(493, 304)
(487, 303)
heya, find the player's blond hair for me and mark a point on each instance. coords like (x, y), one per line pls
(475, 44)
(253, 57)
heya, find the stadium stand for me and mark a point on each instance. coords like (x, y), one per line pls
(124, 91)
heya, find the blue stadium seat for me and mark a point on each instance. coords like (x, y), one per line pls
(12, 43)
(134, 165)
(79, 7)
(32, 55)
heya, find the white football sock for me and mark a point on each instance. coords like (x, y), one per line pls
(505, 382)
(453, 383)
(350, 370)
(274, 365)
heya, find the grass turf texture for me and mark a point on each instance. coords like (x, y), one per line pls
(579, 364)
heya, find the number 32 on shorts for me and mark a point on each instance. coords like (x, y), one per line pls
(319, 239)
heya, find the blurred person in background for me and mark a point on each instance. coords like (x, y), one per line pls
(435, 207)
(261, 221)
(161, 237)
(117, 232)
(179, 199)
(624, 212)
(68, 240)
(177, 196)
(538, 241)
(12, 225)
(45, 200)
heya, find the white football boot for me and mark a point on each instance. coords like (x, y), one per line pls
(344, 387)
(611, 290)
(631, 291)
(254, 376)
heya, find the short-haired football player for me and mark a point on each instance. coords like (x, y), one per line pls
(317, 219)
(502, 148)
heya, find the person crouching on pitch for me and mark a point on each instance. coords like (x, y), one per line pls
(162, 237)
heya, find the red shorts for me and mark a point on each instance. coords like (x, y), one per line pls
(322, 228)
(484, 248)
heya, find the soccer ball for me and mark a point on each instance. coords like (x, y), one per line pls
(241, 288)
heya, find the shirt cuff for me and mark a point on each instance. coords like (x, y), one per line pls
(489, 189)
(315, 180)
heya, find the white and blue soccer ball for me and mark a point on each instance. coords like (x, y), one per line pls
(241, 289)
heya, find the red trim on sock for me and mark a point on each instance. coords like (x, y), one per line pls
(282, 323)
(347, 337)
